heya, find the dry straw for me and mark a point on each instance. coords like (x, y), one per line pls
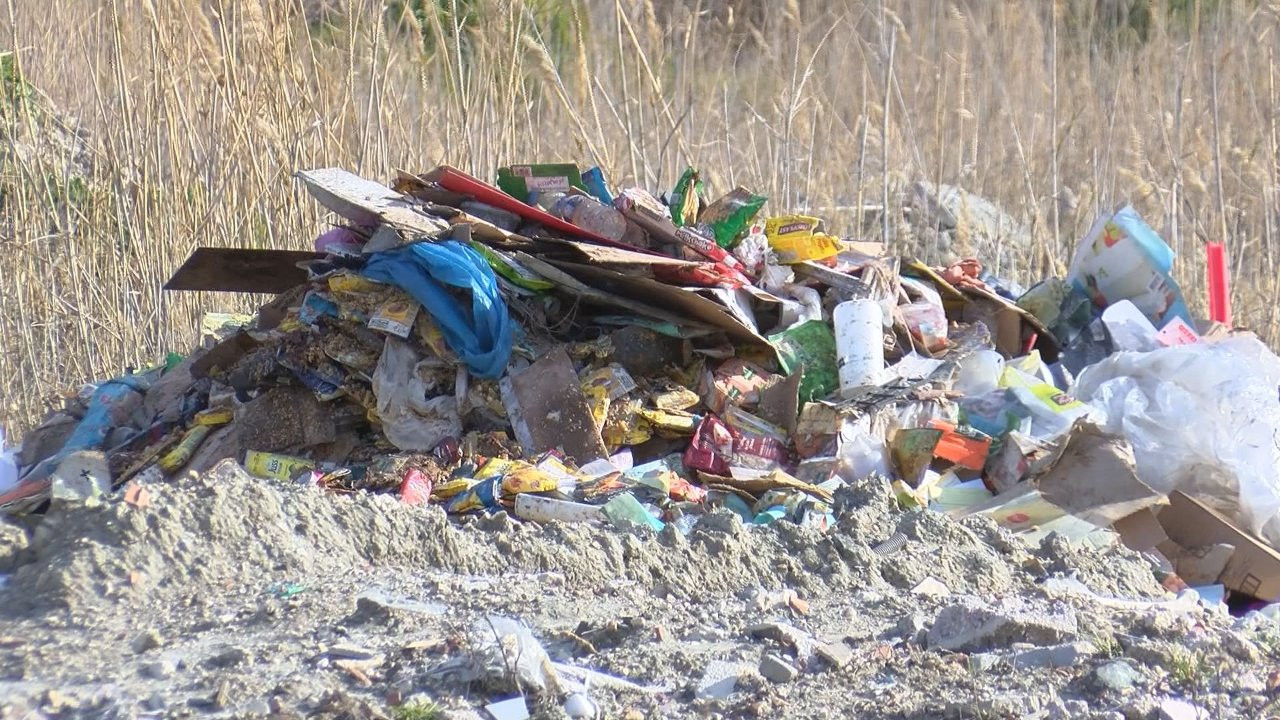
(133, 130)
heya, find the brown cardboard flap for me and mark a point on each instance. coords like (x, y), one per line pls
(1254, 567)
(241, 270)
(1141, 530)
(1093, 477)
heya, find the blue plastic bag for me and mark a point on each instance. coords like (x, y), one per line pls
(481, 335)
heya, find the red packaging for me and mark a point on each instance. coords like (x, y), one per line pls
(700, 275)
(415, 489)
(711, 447)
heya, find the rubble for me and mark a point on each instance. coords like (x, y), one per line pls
(653, 380)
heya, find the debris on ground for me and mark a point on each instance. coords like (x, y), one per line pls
(1007, 470)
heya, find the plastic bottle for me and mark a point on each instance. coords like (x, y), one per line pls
(859, 326)
(589, 214)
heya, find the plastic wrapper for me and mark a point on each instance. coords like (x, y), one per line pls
(810, 349)
(753, 252)
(502, 646)
(685, 198)
(1204, 418)
(711, 447)
(411, 420)
(736, 382)
(1122, 258)
(415, 487)
(797, 238)
(729, 216)
(1052, 411)
(757, 444)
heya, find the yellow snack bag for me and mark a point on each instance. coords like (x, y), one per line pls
(797, 238)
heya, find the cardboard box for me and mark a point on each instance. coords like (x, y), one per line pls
(1141, 530)
(1254, 567)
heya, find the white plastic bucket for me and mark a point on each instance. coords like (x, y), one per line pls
(859, 326)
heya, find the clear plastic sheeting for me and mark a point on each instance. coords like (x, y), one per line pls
(1203, 418)
(411, 418)
(8, 466)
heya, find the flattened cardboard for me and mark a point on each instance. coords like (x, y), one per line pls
(677, 302)
(224, 355)
(285, 418)
(548, 410)
(780, 402)
(574, 286)
(1254, 567)
(1093, 477)
(811, 270)
(1198, 566)
(241, 270)
(1141, 530)
(368, 203)
(1011, 324)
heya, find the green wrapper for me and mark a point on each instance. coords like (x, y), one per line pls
(730, 216)
(685, 198)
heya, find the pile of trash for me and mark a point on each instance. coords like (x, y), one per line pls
(563, 352)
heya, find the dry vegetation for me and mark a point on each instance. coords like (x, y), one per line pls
(132, 130)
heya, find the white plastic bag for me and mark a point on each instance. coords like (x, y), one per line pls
(8, 466)
(1204, 418)
(410, 420)
(505, 647)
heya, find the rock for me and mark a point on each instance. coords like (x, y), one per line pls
(913, 628)
(983, 662)
(158, 670)
(931, 587)
(966, 225)
(156, 703)
(720, 679)
(970, 625)
(777, 669)
(837, 655)
(146, 640)
(348, 651)
(1117, 675)
(787, 634)
(1076, 708)
(1175, 709)
(1054, 656)
(228, 658)
(257, 707)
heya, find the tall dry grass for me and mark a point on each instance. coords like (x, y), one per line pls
(151, 126)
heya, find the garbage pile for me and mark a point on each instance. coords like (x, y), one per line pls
(560, 350)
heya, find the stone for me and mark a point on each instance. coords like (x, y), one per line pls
(972, 626)
(158, 670)
(720, 679)
(156, 703)
(1053, 656)
(228, 658)
(837, 655)
(146, 640)
(913, 628)
(1117, 675)
(983, 662)
(787, 634)
(777, 669)
(931, 587)
(1175, 709)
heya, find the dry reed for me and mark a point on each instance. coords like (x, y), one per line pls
(151, 126)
